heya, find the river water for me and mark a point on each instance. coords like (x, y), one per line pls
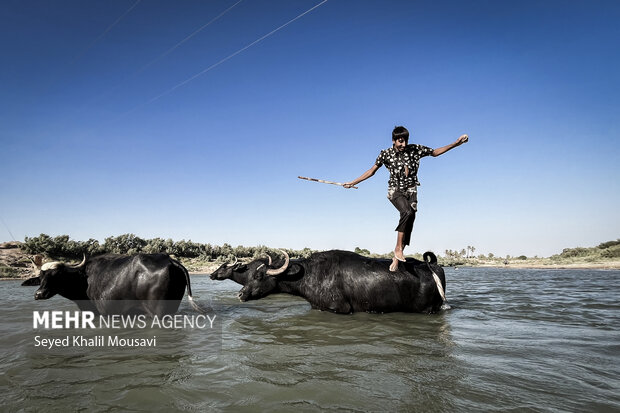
(513, 340)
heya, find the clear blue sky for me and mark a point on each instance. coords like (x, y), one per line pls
(96, 142)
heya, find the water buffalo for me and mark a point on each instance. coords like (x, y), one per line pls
(151, 284)
(344, 282)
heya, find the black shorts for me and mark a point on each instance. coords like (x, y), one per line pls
(406, 202)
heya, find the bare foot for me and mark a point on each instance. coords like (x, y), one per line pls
(399, 256)
(394, 265)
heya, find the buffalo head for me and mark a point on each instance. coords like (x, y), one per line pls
(257, 277)
(59, 278)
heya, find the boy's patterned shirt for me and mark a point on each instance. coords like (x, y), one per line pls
(396, 162)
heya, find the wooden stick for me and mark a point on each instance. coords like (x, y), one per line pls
(323, 182)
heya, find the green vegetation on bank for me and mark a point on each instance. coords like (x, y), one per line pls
(609, 249)
(193, 255)
(605, 252)
(8, 272)
(196, 256)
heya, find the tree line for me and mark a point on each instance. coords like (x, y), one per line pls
(609, 249)
(464, 253)
(63, 246)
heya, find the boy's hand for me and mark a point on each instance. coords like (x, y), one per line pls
(462, 139)
(348, 185)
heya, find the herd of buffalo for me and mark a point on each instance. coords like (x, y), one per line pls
(337, 281)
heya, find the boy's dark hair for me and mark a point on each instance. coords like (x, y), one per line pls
(400, 132)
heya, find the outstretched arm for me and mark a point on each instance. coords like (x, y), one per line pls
(461, 140)
(363, 177)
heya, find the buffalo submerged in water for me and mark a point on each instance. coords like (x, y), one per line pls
(151, 284)
(344, 282)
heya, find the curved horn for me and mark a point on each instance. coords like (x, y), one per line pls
(278, 271)
(269, 258)
(50, 265)
(80, 265)
(236, 261)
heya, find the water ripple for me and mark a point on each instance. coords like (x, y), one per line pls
(540, 340)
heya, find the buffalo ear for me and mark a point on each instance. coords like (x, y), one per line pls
(294, 269)
(32, 281)
(241, 268)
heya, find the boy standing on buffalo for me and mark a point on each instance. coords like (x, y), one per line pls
(403, 160)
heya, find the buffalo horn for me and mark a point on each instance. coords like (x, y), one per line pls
(233, 264)
(269, 258)
(278, 271)
(80, 265)
(56, 264)
(50, 265)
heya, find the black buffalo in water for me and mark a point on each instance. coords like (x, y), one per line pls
(151, 284)
(344, 282)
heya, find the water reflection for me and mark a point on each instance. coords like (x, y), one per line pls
(383, 357)
(514, 340)
(80, 377)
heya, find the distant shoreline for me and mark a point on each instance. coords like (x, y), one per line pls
(579, 266)
(612, 265)
(15, 262)
(594, 266)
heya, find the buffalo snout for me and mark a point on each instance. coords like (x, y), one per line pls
(220, 274)
(42, 294)
(243, 294)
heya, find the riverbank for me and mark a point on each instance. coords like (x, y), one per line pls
(611, 265)
(554, 262)
(538, 264)
(15, 264)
